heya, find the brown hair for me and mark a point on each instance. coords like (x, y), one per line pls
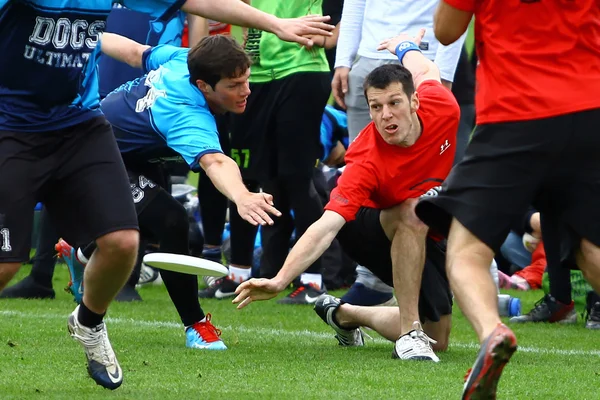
(217, 57)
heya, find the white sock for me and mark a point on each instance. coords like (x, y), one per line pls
(312, 279)
(82, 259)
(239, 275)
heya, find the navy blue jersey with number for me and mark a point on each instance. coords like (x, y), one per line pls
(48, 67)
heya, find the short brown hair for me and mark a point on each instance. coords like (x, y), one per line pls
(384, 75)
(217, 57)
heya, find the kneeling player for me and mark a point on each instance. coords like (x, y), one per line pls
(402, 155)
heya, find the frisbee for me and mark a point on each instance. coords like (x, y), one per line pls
(185, 264)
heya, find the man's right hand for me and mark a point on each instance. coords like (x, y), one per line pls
(256, 207)
(257, 289)
(339, 85)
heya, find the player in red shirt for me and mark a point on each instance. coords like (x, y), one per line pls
(402, 155)
(537, 141)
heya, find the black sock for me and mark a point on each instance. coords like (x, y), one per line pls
(559, 276)
(213, 210)
(592, 298)
(243, 234)
(167, 221)
(183, 291)
(88, 318)
(44, 259)
(89, 250)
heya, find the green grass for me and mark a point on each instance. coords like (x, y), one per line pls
(275, 352)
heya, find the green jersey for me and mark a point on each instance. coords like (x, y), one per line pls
(272, 57)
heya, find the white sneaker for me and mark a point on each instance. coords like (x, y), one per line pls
(103, 366)
(415, 345)
(148, 275)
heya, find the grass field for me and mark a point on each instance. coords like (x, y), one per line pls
(275, 352)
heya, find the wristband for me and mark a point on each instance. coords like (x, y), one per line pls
(405, 47)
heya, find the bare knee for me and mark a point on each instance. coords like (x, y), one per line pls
(403, 218)
(589, 256)
(120, 243)
(440, 332)
(464, 246)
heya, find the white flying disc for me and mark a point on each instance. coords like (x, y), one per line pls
(185, 264)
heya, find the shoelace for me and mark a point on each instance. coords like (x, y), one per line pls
(207, 331)
(593, 313)
(539, 308)
(297, 291)
(96, 345)
(424, 342)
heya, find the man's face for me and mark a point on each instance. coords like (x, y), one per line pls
(230, 94)
(391, 111)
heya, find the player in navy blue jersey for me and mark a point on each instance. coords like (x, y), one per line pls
(57, 147)
(168, 29)
(168, 115)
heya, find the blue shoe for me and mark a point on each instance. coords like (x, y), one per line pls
(204, 335)
(67, 253)
(360, 295)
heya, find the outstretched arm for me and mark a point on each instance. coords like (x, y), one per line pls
(225, 175)
(407, 50)
(123, 49)
(239, 13)
(310, 246)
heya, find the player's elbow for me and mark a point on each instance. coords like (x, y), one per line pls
(450, 23)
(446, 34)
(212, 160)
(136, 55)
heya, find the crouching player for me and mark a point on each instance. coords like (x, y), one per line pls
(401, 156)
(167, 114)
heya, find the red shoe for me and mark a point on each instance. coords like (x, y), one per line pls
(482, 379)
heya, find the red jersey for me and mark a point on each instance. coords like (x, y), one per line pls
(214, 28)
(381, 175)
(537, 59)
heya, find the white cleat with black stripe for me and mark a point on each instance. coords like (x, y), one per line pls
(415, 345)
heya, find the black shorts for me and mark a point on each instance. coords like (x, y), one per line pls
(77, 172)
(364, 240)
(552, 164)
(279, 133)
(146, 180)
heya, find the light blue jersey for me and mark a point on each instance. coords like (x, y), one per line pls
(162, 114)
(48, 67)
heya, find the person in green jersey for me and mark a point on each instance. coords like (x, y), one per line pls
(276, 144)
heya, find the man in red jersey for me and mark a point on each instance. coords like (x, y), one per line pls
(537, 141)
(402, 155)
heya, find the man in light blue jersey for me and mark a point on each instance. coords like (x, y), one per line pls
(57, 147)
(168, 115)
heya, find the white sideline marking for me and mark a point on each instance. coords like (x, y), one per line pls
(301, 334)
